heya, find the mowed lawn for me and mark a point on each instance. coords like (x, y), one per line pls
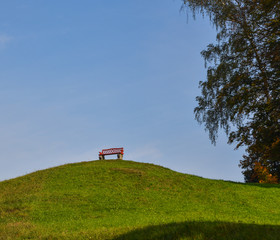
(118, 199)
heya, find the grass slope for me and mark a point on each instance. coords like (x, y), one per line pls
(116, 199)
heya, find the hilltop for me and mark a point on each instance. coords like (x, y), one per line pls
(117, 199)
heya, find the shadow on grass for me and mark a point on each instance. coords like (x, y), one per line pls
(264, 185)
(204, 230)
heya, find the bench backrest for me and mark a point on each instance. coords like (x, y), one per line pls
(111, 151)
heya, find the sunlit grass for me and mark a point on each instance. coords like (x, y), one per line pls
(116, 199)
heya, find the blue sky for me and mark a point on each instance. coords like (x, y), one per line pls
(80, 76)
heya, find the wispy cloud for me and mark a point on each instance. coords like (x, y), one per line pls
(4, 40)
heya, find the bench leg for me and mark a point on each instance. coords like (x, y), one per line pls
(120, 156)
(101, 157)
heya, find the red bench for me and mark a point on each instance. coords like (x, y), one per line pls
(110, 151)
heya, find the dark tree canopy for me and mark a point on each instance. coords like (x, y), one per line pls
(242, 92)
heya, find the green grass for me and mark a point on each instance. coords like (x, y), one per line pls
(116, 199)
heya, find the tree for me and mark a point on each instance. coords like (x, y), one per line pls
(262, 175)
(242, 92)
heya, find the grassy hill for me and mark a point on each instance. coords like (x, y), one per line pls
(116, 199)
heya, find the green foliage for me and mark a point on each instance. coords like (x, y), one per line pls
(117, 199)
(242, 92)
